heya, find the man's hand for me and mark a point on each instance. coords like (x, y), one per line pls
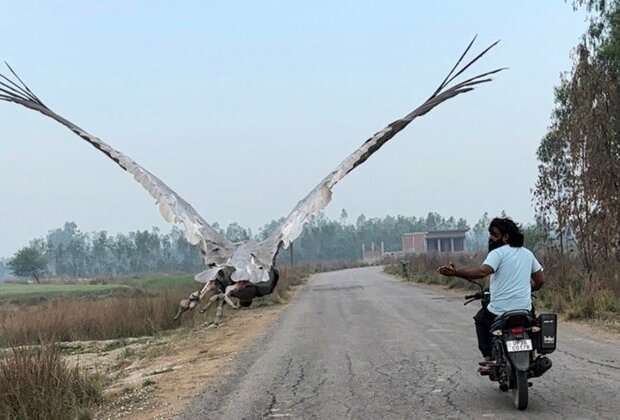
(469, 274)
(449, 270)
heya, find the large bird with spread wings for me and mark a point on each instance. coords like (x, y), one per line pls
(245, 270)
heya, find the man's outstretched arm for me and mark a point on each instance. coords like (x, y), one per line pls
(471, 273)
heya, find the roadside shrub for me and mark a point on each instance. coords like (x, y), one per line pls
(569, 288)
(580, 294)
(36, 383)
(422, 268)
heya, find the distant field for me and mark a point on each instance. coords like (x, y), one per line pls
(159, 283)
(11, 291)
(153, 285)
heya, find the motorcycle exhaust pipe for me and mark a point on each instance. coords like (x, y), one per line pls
(540, 366)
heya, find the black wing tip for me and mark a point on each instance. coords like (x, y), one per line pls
(17, 90)
(447, 90)
(459, 70)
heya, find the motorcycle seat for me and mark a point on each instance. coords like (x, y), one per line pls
(516, 318)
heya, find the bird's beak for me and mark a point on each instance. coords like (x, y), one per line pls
(184, 305)
(188, 304)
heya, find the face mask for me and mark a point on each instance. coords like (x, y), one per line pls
(495, 244)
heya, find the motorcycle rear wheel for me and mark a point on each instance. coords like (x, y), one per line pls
(520, 390)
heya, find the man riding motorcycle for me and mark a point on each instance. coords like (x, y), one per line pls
(514, 271)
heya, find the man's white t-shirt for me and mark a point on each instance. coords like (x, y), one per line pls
(510, 283)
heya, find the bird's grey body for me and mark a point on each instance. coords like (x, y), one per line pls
(236, 266)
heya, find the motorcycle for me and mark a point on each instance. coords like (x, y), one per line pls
(520, 343)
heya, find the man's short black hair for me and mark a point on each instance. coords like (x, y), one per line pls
(507, 226)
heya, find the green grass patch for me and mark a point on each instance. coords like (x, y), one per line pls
(32, 291)
(151, 285)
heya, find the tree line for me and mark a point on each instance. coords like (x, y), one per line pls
(68, 252)
(577, 193)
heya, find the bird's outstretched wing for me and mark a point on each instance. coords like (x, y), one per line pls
(172, 207)
(320, 196)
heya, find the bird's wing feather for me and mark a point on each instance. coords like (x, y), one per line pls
(320, 196)
(172, 207)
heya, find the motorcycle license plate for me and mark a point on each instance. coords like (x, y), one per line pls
(519, 345)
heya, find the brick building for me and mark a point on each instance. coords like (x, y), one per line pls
(434, 241)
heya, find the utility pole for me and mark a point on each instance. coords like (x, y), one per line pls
(291, 251)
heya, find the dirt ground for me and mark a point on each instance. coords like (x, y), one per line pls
(154, 378)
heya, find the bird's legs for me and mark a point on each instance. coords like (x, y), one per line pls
(209, 288)
(234, 288)
(218, 311)
(210, 291)
(225, 298)
(211, 300)
(230, 290)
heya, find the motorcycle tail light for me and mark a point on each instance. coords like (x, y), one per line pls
(518, 330)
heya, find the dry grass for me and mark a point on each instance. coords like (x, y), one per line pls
(71, 319)
(579, 294)
(36, 383)
(422, 268)
(79, 319)
(568, 289)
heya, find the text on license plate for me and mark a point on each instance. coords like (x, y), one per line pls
(519, 345)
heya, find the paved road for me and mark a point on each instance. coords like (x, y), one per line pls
(359, 344)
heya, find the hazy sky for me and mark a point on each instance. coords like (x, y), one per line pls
(243, 107)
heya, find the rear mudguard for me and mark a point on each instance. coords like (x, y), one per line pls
(520, 360)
